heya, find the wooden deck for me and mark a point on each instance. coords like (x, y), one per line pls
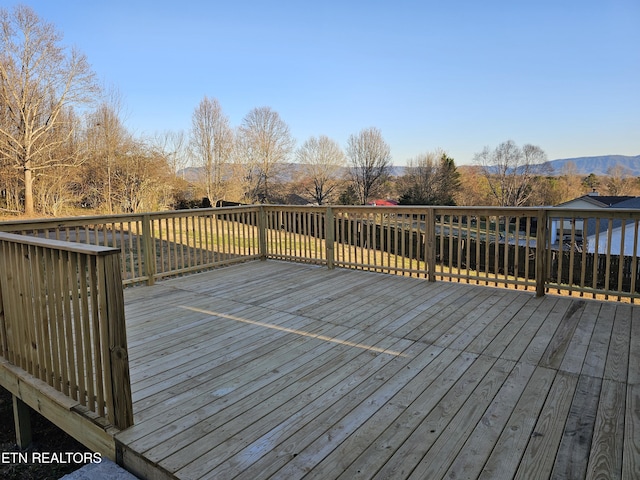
(282, 370)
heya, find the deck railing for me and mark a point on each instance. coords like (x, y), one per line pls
(62, 321)
(490, 246)
(61, 300)
(578, 252)
(156, 245)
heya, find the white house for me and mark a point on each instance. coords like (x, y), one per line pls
(587, 229)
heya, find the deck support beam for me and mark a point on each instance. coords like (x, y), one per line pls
(22, 420)
(59, 409)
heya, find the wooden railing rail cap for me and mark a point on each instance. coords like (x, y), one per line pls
(59, 244)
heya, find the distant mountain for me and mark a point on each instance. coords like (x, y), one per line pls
(597, 165)
(583, 166)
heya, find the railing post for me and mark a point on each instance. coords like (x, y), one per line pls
(262, 233)
(430, 244)
(330, 238)
(122, 409)
(149, 250)
(4, 350)
(541, 253)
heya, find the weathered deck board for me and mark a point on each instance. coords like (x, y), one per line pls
(573, 453)
(538, 459)
(631, 449)
(279, 370)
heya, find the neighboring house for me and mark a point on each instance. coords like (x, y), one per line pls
(588, 229)
(383, 203)
(294, 199)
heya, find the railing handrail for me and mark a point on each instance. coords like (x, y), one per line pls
(59, 244)
(62, 320)
(81, 220)
(185, 234)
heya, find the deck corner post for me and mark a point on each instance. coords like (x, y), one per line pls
(430, 244)
(4, 350)
(121, 412)
(330, 237)
(262, 233)
(148, 246)
(541, 253)
(22, 419)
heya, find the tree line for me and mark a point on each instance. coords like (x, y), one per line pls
(64, 149)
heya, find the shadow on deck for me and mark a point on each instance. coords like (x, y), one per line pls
(281, 370)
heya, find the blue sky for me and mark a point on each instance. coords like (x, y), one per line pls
(458, 75)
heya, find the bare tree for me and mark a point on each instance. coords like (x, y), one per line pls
(619, 180)
(430, 179)
(370, 159)
(211, 144)
(556, 189)
(264, 146)
(474, 188)
(10, 188)
(172, 145)
(55, 187)
(108, 142)
(322, 162)
(143, 180)
(39, 80)
(510, 171)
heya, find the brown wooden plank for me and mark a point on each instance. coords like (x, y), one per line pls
(437, 312)
(576, 352)
(198, 327)
(538, 458)
(448, 332)
(314, 436)
(509, 305)
(605, 459)
(633, 377)
(214, 347)
(213, 362)
(631, 447)
(235, 361)
(89, 399)
(259, 419)
(449, 445)
(554, 354)
(260, 379)
(406, 307)
(419, 437)
(254, 384)
(384, 313)
(596, 356)
(617, 366)
(481, 441)
(40, 313)
(510, 446)
(395, 308)
(389, 414)
(573, 453)
(539, 343)
(380, 449)
(68, 278)
(503, 338)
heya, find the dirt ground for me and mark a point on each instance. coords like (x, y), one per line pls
(47, 439)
